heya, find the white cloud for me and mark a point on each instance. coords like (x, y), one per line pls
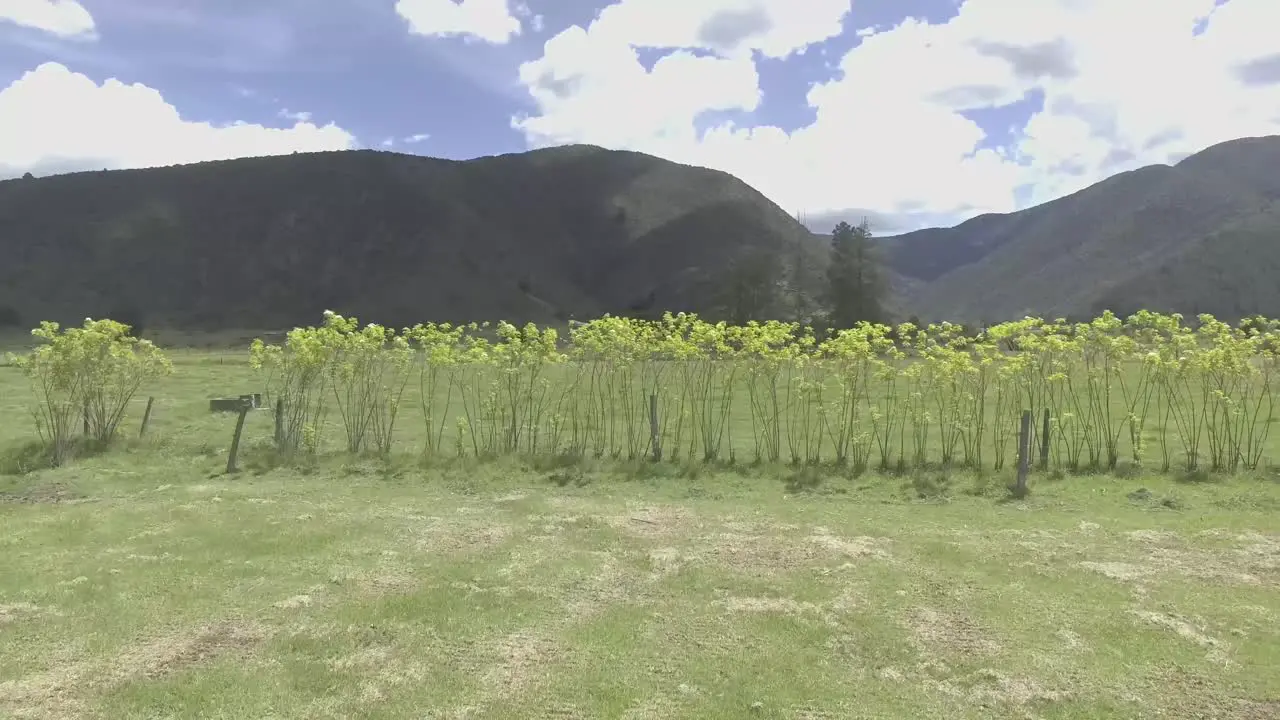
(58, 120)
(66, 18)
(302, 116)
(491, 21)
(776, 28)
(416, 138)
(589, 87)
(1124, 83)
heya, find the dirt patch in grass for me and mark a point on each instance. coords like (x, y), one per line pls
(40, 494)
(948, 632)
(60, 692)
(175, 653)
(608, 583)
(1186, 694)
(13, 612)
(1253, 709)
(756, 555)
(452, 537)
(657, 521)
(385, 581)
(521, 658)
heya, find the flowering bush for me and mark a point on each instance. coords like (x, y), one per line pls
(870, 395)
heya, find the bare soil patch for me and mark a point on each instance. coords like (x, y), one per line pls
(655, 521)
(58, 692)
(42, 493)
(438, 535)
(13, 612)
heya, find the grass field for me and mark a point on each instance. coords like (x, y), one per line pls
(145, 584)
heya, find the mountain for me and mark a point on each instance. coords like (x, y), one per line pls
(273, 241)
(1199, 236)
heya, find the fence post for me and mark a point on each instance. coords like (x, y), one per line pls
(1044, 442)
(1024, 454)
(235, 439)
(146, 417)
(655, 436)
(279, 421)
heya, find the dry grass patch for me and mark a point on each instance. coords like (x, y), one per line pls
(60, 692)
(42, 494)
(786, 606)
(522, 658)
(948, 632)
(13, 612)
(988, 686)
(1217, 652)
(657, 521)
(1164, 555)
(857, 547)
(757, 555)
(440, 536)
(1125, 572)
(295, 602)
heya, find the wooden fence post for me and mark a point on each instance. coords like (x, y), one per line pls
(279, 421)
(146, 417)
(1044, 442)
(655, 435)
(1024, 454)
(235, 439)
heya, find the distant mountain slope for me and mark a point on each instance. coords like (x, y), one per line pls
(270, 242)
(1139, 239)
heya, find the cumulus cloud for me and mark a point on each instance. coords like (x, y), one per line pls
(492, 21)
(56, 120)
(65, 18)
(1124, 84)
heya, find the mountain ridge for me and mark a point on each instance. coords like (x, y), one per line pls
(577, 231)
(1094, 249)
(273, 241)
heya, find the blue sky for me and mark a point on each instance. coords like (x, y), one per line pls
(914, 112)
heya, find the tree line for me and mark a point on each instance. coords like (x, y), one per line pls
(847, 286)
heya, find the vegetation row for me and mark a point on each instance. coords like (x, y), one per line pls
(1152, 390)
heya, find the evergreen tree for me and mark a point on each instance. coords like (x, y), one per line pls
(855, 282)
(803, 279)
(751, 287)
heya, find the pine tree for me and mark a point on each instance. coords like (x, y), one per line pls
(751, 287)
(855, 281)
(801, 283)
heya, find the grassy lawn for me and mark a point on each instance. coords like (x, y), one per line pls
(145, 584)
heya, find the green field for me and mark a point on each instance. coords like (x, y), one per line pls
(144, 583)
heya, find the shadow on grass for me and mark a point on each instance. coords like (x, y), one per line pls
(34, 455)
